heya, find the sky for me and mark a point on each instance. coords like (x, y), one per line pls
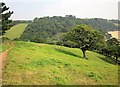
(29, 9)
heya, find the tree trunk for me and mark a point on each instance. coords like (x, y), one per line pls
(116, 59)
(84, 55)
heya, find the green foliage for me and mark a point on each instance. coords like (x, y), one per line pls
(4, 18)
(48, 29)
(111, 49)
(85, 37)
(4, 39)
(113, 46)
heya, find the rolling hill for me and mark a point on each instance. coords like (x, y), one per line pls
(48, 29)
(16, 31)
(42, 64)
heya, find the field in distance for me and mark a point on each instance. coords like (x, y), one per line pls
(16, 31)
(115, 34)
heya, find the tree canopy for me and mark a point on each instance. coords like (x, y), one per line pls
(47, 29)
(4, 18)
(84, 37)
(113, 47)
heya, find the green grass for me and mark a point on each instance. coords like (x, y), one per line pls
(16, 31)
(43, 64)
(5, 45)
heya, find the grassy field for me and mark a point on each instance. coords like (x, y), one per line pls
(41, 64)
(16, 31)
(115, 34)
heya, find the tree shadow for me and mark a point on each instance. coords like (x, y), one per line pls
(108, 60)
(68, 53)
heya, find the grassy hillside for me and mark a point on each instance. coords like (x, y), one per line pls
(16, 31)
(41, 64)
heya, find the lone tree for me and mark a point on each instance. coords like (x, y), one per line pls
(4, 18)
(84, 37)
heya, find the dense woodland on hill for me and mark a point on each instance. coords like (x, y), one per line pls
(53, 30)
(49, 29)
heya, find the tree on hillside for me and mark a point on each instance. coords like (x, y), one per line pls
(113, 47)
(4, 18)
(85, 37)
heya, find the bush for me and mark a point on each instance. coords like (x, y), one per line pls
(3, 39)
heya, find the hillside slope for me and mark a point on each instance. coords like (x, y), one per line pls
(43, 64)
(16, 31)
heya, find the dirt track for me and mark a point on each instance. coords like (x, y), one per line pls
(3, 57)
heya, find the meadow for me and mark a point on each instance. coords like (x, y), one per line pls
(16, 31)
(31, 63)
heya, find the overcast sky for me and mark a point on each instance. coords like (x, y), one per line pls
(29, 9)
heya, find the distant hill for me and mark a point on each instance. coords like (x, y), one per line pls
(16, 31)
(48, 29)
(42, 64)
(15, 22)
(115, 21)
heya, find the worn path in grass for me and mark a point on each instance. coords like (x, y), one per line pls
(3, 57)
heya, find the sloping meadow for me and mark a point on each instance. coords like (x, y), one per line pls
(42, 64)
